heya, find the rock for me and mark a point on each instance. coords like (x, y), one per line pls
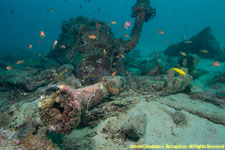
(204, 40)
(135, 126)
(179, 118)
(27, 80)
(202, 109)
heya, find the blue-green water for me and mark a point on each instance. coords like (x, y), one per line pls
(88, 91)
(22, 27)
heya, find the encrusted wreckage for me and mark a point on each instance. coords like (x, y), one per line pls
(90, 47)
(101, 55)
(62, 111)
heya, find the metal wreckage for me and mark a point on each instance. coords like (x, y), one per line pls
(93, 59)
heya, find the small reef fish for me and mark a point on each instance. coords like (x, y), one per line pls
(12, 11)
(62, 46)
(61, 86)
(126, 35)
(9, 68)
(54, 44)
(41, 55)
(137, 100)
(183, 53)
(216, 64)
(104, 52)
(51, 10)
(188, 42)
(166, 42)
(98, 10)
(113, 74)
(42, 34)
(160, 31)
(121, 55)
(30, 46)
(204, 51)
(39, 41)
(92, 37)
(98, 25)
(20, 62)
(127, 24)
(113, 22)
(179, 71)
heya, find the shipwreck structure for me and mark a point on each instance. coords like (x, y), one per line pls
(100, 55)
(204, 44)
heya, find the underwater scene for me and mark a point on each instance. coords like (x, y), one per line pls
(112, 75)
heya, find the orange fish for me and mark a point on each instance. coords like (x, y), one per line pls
(29, 46)
(122, 56)
(126, 35)
(54, 44)
(113, 22)
(188, 42)
(183, 53)
(160, 31)
(51, 10)
(41, 54)
(204, 50)
(9, 67)
(166, 42)
(137, 100)
(216, 64)
(63, 46)
(113, 74)
(20, 62)
(42, 34)
(92, 37)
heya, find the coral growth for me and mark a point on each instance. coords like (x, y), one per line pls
(37, 142)
(189, 62)
(61, 112)
(176, 84)
(100, 55)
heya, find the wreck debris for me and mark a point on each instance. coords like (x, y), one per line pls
(190, 62)
(100, 55)
(177, 84)
(142, 12)
(203, 41)
(62, 111)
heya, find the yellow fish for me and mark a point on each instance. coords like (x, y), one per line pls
(113, 22)
(179, 71)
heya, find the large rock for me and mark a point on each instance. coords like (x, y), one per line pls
(135, 125)
(204, 40)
